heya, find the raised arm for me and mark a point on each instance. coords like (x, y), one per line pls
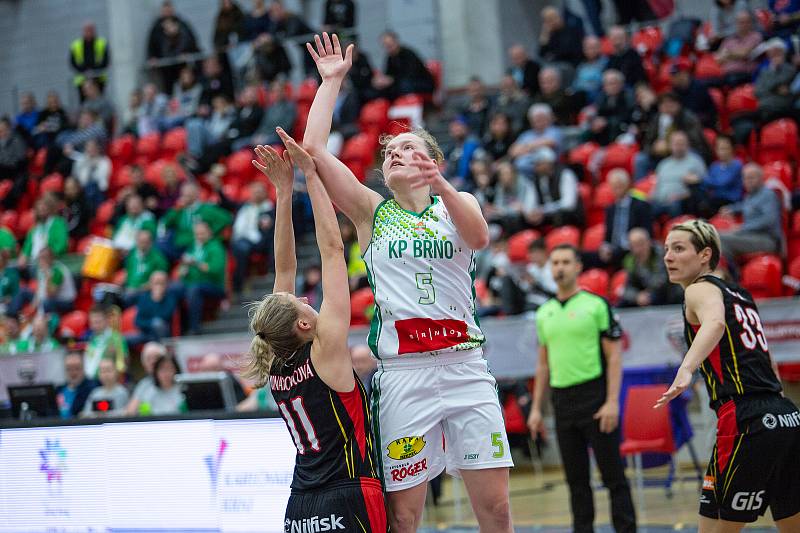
(330, 353)
(356, 200)
(279, 172)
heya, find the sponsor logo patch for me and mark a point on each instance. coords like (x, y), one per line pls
(314, 524)
(747, 501)
(427, 335)
(769, 421)
(708, 483)
(411, 469)
(471, 456)
(405, 448)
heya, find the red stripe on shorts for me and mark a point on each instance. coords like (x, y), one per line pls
(727, 430)
(373, 501)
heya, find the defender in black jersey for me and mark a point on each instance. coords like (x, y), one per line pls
(754, 465)
(304, 358)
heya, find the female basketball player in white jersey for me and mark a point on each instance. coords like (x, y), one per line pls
(434, 402)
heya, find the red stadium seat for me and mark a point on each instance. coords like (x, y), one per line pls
(481, 291)
(122, 149)
(606, 48)
(582, 154)
(593, 238)
(360, 303)
(174, 142)
(707, 68)
(105, 211)
(518, 245)
(26, 221)
(781, 170)
(399, 125)
(645, 185)
(711, 137)
(307, 90)
(647, 41)
(778, 140)
(762, 276)
(594, 281)
(148, 146)
(120, 277)
(618, 156)
(5, 188)
(240, 165)
(668, 225)
(435, 68)
(722, 110)
(10, 220)
(585, 192)
(120, 178)
(37, 163)
(128, 321)
(52, 183)
(602, 197)
(742, 101)
(360, 147)
(74, 324)
(764, 17)
(723, 223)
(563, 235)
(374, 117)
(617, 286)
(299, 126)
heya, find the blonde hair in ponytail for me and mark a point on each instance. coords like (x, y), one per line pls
(272, 322)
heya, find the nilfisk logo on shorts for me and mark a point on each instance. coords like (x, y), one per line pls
(791, 420)
(769, 421)
(314, 524)
(405, 448)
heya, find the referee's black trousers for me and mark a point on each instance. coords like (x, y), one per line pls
(577, 431)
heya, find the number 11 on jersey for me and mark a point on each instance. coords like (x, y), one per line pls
(425, 284)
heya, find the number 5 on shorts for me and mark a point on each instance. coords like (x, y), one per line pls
(425, 284)
(497, 442)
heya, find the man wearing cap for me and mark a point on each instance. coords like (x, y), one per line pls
(555, 192)
(693, 95)
(773, 83)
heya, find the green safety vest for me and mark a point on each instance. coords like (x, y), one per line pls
(76, 48)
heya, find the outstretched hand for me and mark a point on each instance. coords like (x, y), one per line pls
(298, 156)
(427, 174)
(276, 168)
(682, 381)
(328, 57)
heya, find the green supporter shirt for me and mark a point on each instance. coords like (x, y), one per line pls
(8, 241)
(139, 267)
(53, 232)
(571, 331)
(107, 345)
(212, 254)
(182, 220)
(9, 283)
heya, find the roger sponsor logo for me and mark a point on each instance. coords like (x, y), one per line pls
(747, 501)
(314, 524)
(405, 448)
(401, 472)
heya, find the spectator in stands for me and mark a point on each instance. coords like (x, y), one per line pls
(785, 17)
(141, 263)
(39, 339)
(773, 83)
(761, 230)
(52, 121)
(179, 221)
(110, 398)
(13, 163)
(92, 168)
(8, 241)
(165, 396)
(286, 24)
(216, 82)
(135, 219)
(152, 110)
(647, 282)
(356, 266)
(361, 74)
(693, 95)
(542, 133)
(11, 333)
(76, 211)
(627, 212)
(735, 52)
(185, 99)
(589, 74)
(49, 231)
(523, 69)
(28, 116)
(171, 191)
(555, 192)
(281, 112)
(499, 138)
(93, 100)
(655, 145)
(565, 104)
(148, 357)
(723, 183)
(244, 124)
(674, 174)
(624, 58)
(614, 109)
(202, 274)
(476, 110)
(339, 15)
(130, 117)
(459, 153)
(147, 191)
(513, 102)
(89, 127)
(170, 38)
(309, 285)
(228, 26)
(270, 58)
(104, 342)
(89, 56)
(513, 199)
(155, 309)
(257, 21)
(253, 230)
(9, 280)
(645, 109)
(203, 132)
(213, 362)
(525, 288)
(559, 43)
(404, 73)
(55, 289)
(724, 19)
(71, 397)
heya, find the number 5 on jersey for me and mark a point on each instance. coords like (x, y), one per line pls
(425, 284)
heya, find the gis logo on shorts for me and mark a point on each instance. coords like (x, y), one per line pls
(405, 448)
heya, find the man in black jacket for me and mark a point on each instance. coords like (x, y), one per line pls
(559, 43)
(625, 59)
(72, 395)
(405, 73)
(523, 69)
(625, 213)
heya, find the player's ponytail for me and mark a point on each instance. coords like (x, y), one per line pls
(272, 322)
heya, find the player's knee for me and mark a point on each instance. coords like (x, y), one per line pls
(403, 520)
(499, 511)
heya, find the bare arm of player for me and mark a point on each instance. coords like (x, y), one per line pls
(462, 207)
(540, 386)
(329, 353)
(279, 172)
(608, 414)
(704, 305)
(356, 201)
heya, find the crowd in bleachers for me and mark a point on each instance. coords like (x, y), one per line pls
(598, 140)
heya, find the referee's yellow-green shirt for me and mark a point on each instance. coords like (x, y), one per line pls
(571, 332)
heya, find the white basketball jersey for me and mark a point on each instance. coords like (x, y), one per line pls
(422, 275)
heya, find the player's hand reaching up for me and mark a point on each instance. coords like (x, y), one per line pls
(682, 381)
(328, 57)
(276, 168)
(427, 174)
(298, 156)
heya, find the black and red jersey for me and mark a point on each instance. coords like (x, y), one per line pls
(740, 364)
(330, 429)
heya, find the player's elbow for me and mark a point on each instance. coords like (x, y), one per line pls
(315, 147)
(479, 241)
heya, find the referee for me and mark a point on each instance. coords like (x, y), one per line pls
(579, 358)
